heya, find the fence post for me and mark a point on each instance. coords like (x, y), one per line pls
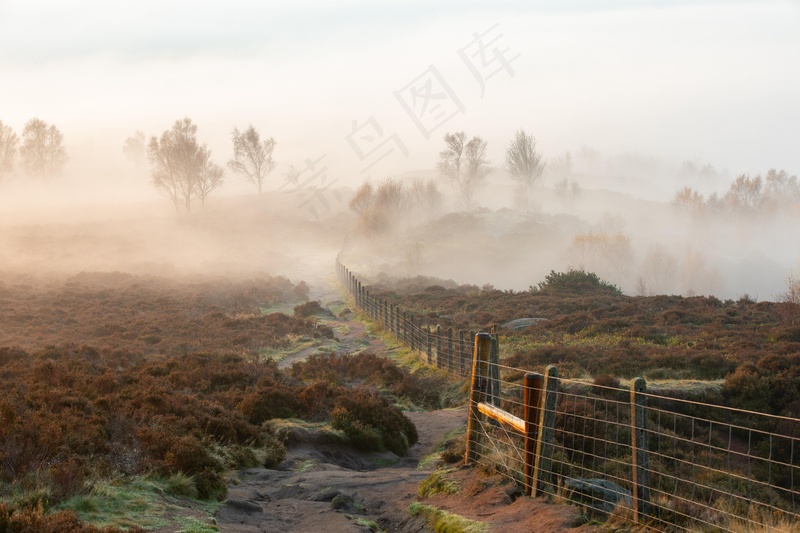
(464, 367)
(449, 347)
(639, 452)
(428, 344)
(480, 367)
(412, 321)
(458, 356)
(439, 358)
(532, 404)
(543, 468)
(420, 337)
(494, 369)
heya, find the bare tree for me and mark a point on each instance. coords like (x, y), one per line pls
(210, 177)
(781, 189)
(477, 170)
(8, 149)
(524, 164)
(252, 156)
(181, 168)
(42, 151)
(426, 199)
(452, 157)
(134, 149)
(464, 164)
(745, 194)
(363, 198)
(689, 200)
(292, 176)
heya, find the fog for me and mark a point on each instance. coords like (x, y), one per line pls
(633, 90)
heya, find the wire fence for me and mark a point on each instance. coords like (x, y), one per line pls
(667, 464)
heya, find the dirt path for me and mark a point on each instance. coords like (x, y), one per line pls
(332, 488)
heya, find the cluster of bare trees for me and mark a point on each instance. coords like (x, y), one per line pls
(42, 149)
(464, 164)
(383, 206)
(777, 190)
(182, 168)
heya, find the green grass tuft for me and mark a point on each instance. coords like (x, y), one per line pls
(443, 522)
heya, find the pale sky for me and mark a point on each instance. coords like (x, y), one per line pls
(713, 81)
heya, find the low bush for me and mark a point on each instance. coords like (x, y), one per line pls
(307, 309)
(576, 282)
(372, 423)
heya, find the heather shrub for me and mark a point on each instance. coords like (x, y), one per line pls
(307, 309)
(576, 282)
(422, 387)
(606, 385)
(371, 423)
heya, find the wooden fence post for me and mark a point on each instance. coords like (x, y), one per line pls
(458, 356)
(639, 451)
(464, 367)
(413, 323)
(532, 401)
(428, 344)
(543, 469)
(480, 367)
(449, 347)
(439, 358)
(420, 337)
(494, 370)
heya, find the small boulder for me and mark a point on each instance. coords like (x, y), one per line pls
(599, 495)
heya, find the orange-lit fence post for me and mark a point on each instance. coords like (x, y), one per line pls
(532, 401)
(543, 468)
(480, 368)
(639, 452)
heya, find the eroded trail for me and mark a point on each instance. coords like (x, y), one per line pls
(322, 486)
(325, 486)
